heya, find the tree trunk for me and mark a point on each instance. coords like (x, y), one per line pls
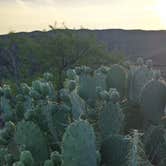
(60, 84)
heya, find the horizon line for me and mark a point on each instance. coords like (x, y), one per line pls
(88, 29)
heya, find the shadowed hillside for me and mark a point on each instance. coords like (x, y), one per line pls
(134, 43)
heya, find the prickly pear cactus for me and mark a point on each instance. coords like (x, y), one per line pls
(26, 158)
(9, 159)
(24, 102)
(29, 134)
(71, 74)
(157, 75)
(87, 85)
(138, 77)
(153, 99)
(113, 150)
(8, 112)
(70, 97)
(136, 155)
(56, 158)
(78, 145)
(65, 96)
(77, 103)
(6, 134)
(57, 117)
(100, 77)
(149, 63)
(43, 88)
(155, 144)
(111, 119)
(47, 76)
(3, 153)
(18, 163)
(25, 89)
(71, 85)
(140, 61)
(61, 117)
(48, 163)
(5, 103)
(117, 78)
(6, 91)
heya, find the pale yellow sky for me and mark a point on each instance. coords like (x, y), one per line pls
(29, 15)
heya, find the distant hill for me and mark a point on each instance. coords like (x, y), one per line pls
(131, 43)
(135, 43)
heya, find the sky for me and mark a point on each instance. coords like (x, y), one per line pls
(29, 15)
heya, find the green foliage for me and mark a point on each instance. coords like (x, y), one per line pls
(65, 49)
(21, 49)
(55, 51)
(78, 145)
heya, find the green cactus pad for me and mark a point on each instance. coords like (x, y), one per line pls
(117, 78)
(78, 145)
(153, 99)
(26, 158)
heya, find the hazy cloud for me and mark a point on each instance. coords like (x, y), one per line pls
(62, 2)
(29, 15)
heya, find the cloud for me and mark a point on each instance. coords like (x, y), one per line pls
(62, 3)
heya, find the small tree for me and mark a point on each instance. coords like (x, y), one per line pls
(67, 48)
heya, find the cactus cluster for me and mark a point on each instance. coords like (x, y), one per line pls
(138, 76)
(112, 115)
(111, 118)
(29, 134)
